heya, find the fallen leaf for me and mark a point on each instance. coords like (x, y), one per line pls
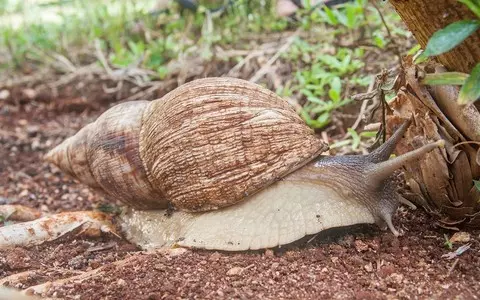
(460, 237)
(457, 252)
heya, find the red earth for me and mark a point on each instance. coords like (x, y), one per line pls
(358, 263)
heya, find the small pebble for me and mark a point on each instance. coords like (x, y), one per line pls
(368, 267)
(361, 246)
(121, 282)
(235, 271)
(269, 253)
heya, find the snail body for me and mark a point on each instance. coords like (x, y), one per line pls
(280, 214)
(238, 165)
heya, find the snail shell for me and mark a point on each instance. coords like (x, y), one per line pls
(206, 145)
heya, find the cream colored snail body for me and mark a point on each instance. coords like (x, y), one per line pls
(237, 164)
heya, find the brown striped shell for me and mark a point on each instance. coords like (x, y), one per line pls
(208, 144)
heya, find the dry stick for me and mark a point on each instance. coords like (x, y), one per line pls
(362, 110)
(466, 142)
(376, 94)
(14, 279)
(177, 66)
(156, 85)
(89, 69)
(71, 67)
(43, 288)
(102, 59)
(384, 117)
(420, 92)
(373, 126)
(246, 59)
(53, 58)
(264, 69)
(452, 267)
(121, 75)
(220, 53)
(8, 83)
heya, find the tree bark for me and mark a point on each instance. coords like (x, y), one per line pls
(425, 17)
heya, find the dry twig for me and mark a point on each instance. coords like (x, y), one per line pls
(264, 69)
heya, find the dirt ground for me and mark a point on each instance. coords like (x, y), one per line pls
(367, 264)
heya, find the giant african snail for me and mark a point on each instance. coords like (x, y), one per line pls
(239, 166)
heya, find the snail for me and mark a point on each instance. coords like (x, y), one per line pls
(222, 163)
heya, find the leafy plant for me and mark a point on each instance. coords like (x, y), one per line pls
(322, 74)
(354, 140)
(448, 244)
(447, 39)
(130, 36)
(320, 80)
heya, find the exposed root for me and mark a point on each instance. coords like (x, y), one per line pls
(12, 294)
(89, 224)
(19, 213)
(23, 279)
(15, 279)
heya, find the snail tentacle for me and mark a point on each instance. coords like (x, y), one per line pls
(381, 171)
(383, 152)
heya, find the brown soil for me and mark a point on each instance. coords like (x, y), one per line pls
(369, 264)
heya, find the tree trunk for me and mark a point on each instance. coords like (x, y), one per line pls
(441, 182)
(425, 17)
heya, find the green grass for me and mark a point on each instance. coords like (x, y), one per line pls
(322, 76)
(126, 31)
(324, 61)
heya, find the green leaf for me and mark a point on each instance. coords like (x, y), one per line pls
(471, 89)
(334, 95)
(368, 134)
(474, 6)
(336, 84)
(330, 61)
(332, 19)
(447, 243)
(341, 17)
(449, 37)
(162, 72)
(340, 144)
(421, 58)
(320, 122)
(379, 41)
(477, 184)
(335, 89)
(455, 78)
(351, 15)
(414, 49)
(324, 118)
(355, 138)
